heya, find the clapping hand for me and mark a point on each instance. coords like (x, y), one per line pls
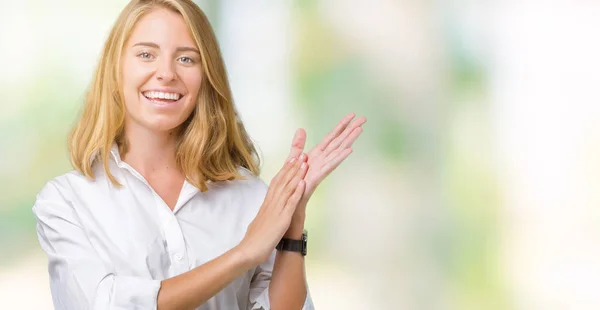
(328, 154)
(283, 210)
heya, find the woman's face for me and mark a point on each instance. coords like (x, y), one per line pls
(161, 72)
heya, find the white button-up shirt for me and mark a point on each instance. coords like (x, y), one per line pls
(109, 247)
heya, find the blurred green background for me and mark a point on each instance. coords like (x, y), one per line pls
(472, 187)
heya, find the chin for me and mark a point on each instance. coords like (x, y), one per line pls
(159, 119)
(163, 125)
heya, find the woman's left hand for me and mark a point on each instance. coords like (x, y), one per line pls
(328, 154)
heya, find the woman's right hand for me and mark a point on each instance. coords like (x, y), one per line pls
(275, 214)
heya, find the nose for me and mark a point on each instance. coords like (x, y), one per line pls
(166, 72)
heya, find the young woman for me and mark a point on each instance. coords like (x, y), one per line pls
(164, 208)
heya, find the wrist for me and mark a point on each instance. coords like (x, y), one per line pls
(244, 256)
(296, 229)
(299, 213)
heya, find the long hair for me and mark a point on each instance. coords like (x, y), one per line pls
(212, 143)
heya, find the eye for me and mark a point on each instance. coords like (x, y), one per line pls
(186, 60)
(145, 55)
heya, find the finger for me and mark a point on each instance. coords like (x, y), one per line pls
(292, 172)
(332, 164)
(301, 172)
(275, 184)
(279, 190)
(298, 143)
(293, 201)
(338, 141)
(303, 157)
(351, 138)
(336, 131)
(289, 164)
(290, 187)
(301, 163)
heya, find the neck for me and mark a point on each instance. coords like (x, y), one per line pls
(150, 152)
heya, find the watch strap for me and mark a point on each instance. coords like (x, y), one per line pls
(293, 245)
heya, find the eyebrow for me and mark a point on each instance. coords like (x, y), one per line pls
(179, 49)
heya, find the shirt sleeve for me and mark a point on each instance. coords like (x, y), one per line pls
(79, 278)
(259, 287)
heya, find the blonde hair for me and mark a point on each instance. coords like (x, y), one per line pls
(213, 142)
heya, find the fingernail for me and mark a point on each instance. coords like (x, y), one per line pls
(302, 156)
(293, 159)
(303, 165)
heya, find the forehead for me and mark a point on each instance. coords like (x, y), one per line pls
(163, 27)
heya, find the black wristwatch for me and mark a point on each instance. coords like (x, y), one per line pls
(294, 245)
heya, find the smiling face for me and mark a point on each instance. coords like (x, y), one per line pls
(161, 72)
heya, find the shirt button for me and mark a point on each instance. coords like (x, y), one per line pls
(178, 256)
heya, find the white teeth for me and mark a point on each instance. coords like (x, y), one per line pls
(161, 95)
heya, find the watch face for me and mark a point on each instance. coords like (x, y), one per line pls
(304, 242)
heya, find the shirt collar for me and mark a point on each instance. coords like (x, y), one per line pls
(114, 151)
(187, 192)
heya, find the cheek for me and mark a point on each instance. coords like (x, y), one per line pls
(133, 77)
(192, 82)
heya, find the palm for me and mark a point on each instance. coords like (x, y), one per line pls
(329, 153)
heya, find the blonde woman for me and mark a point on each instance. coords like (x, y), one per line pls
(164, 208)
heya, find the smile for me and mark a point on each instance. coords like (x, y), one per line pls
(162, 97)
